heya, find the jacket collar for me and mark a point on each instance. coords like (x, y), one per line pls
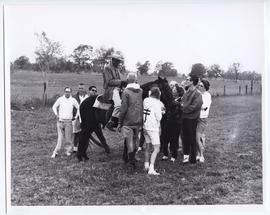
(133, 85)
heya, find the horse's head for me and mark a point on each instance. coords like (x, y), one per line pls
(166, 91)
(163, 85)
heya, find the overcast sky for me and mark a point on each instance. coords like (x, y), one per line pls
(209, 33)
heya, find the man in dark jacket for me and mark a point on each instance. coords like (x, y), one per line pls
(173, 125)
(131, 115)
(191, 105)
(89, 124)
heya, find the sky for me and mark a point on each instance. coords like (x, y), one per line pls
(182, 33)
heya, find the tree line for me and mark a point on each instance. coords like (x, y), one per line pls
(84, 58)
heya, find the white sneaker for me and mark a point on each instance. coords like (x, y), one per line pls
(139, 149)
(146, 169)
(197, 158)
(68, 153)
(172, 159)
(201, 159)
(75, 149)
(186, 159)
(153, 172)
(54, 155)
(164, 158)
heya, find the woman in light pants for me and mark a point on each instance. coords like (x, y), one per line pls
(202, 121)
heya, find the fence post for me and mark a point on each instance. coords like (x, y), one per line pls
(251, 87)
(44, 93)
(239, 90)
(224, 92)
(246, 89)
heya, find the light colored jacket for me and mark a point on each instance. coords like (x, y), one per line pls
(111, 79)
(131, 110)
(152, 113)
(206, 97)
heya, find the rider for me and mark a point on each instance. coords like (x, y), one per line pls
(112, 83)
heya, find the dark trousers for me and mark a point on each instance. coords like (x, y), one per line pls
(189, 138)
(76, 139)
(84, 139)
(171, 135)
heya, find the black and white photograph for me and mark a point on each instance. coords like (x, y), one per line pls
(152, 104)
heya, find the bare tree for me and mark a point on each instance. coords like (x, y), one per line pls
(234, 69)
(47, 53)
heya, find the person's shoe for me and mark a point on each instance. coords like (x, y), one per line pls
(107, 150)
(85, 157)
(79, 158)
(54, 155)
(75, 149)
(185, 159)
(110, 126)
(197, 158)
(173, 160)
(139, 149)
(201, 160)
(164, 158)
(68, 153)
(153, 172)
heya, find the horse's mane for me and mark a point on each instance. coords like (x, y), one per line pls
(162, 84)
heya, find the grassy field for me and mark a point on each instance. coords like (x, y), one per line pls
(26, 85)
(232, 173)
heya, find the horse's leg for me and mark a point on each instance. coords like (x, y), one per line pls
(95, 141)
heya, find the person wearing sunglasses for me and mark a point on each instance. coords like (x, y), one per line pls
(92, 91)
(202, 121)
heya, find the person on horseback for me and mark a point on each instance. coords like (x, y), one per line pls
(112, 83)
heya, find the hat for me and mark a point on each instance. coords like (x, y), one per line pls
(117, 56)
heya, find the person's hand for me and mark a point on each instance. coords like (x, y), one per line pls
(123, 84)
(163, 110)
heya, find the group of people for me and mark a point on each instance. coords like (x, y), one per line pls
(186, 119)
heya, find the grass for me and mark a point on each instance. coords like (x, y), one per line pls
(26, 85)
(232, 173)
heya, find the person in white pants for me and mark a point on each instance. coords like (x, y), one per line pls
(63, 110)
(202, 121)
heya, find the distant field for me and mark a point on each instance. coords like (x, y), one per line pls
(26, 85)
(232, 173)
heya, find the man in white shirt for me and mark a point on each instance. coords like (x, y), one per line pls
(63, 110)
(202, 121)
